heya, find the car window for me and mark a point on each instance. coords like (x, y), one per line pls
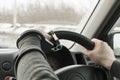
(16, 16)
(116, 26)
(116, 41)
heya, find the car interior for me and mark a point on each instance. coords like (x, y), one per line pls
(71, 23)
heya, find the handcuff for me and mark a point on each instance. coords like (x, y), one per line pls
(55, 40)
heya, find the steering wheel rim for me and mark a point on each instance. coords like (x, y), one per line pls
(66, 73)
(78, 38)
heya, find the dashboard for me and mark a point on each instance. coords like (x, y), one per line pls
(7, 57)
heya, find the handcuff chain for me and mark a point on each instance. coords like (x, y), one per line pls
(56, 41)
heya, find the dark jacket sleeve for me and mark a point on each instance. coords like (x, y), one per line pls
(31, 63)
(115, 69)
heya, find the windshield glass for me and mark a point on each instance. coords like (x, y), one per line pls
(16, 16)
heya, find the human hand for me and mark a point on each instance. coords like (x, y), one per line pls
(41, 29)
(102, 54)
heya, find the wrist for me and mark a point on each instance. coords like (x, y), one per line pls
(30, 36)
(109, 63)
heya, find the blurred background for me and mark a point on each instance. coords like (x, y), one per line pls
(16, 16)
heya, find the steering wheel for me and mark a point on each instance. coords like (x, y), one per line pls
(78, 72)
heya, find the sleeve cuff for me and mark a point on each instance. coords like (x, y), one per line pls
(115, 69)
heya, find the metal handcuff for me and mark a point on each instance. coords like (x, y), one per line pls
(55, 41)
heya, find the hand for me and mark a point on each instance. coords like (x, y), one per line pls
(102, 54)
(41, 29)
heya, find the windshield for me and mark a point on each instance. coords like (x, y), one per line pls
(16, 16)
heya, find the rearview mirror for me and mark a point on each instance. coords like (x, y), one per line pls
(114, 39)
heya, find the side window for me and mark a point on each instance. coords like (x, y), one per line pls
(115, 31)
(116, 26)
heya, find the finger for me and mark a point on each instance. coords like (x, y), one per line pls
(95, 40)
(42, 30)
(85, 52)
(49, 37)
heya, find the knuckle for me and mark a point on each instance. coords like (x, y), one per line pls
(101, 42)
